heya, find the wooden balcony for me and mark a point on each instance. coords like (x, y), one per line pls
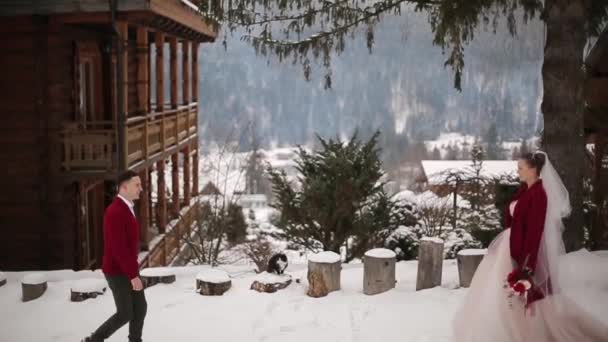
(165, 247)
(93, 147)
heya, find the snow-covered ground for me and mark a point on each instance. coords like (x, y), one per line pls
(177, 313)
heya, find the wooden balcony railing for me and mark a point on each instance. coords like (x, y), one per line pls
(167, 246)
(89, 147)
(93, 147)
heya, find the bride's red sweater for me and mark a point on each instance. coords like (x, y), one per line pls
(527, 224)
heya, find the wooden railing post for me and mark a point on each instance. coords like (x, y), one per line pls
(175, 183)
(195, 171)
(187, 170)
(161, 200)
(144, 210)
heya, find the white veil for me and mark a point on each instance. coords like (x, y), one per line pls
(552, 245)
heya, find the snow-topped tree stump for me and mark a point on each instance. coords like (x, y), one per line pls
(33, 286)
(157, 275)
(270, 282)
(2, 279)
(323, 273)
(468, 261)
(213, 282)
(430, 263)
(378, 271)
(84, 289)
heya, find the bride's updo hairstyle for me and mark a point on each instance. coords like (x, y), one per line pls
(535, 160)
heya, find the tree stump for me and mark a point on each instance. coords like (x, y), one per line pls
(2, 279)
(33, 286)
(430, 263)
(316, 285)
(213, 282)
(157, 275)
(378, 271)
(84, 289)
(468, 261)
(323, 273)
(270, 283)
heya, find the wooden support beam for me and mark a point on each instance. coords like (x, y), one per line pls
(144, 212)
(175, 183)
(161, 200)
(160, 71)
(195, 72)
(187, 170)
(151, 217)
(142, 70)
(123, 31)
(173, 70)
(195, 185)
(186, 72)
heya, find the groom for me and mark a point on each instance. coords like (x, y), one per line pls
(120, 266)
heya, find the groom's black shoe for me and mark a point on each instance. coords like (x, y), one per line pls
(90, 339)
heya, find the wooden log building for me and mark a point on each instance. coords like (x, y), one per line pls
(596, 131)
(80, 106)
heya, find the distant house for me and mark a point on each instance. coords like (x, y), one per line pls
(434, 172)
(210, 189)
(254, 201)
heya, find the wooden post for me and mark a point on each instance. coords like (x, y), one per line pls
(187, 170)
(123, 30)
(142, 69)
(173, 70)
(468, 261)
(430, 263)
(160, 71)
(323, 273)
(195, 172)
(195, 71)
(151, 217)
(144, 211)
(185, 72)
(378, 271)
(175, 183)
(161, 221)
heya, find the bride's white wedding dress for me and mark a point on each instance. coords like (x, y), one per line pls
(488, 315)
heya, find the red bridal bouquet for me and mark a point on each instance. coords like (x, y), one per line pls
(520, 283)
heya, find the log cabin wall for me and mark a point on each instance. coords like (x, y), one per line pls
(39, 93)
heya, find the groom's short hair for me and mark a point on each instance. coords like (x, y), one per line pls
(125, 177)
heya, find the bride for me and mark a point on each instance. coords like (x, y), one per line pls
(521, 291)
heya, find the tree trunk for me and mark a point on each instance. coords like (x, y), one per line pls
(562, 104)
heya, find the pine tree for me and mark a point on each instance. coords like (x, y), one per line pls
(436, 154)
(340, 198)
(494, 146)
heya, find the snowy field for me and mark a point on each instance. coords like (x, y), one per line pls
(177, 313)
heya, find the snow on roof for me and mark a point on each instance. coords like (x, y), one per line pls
(433, 169)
